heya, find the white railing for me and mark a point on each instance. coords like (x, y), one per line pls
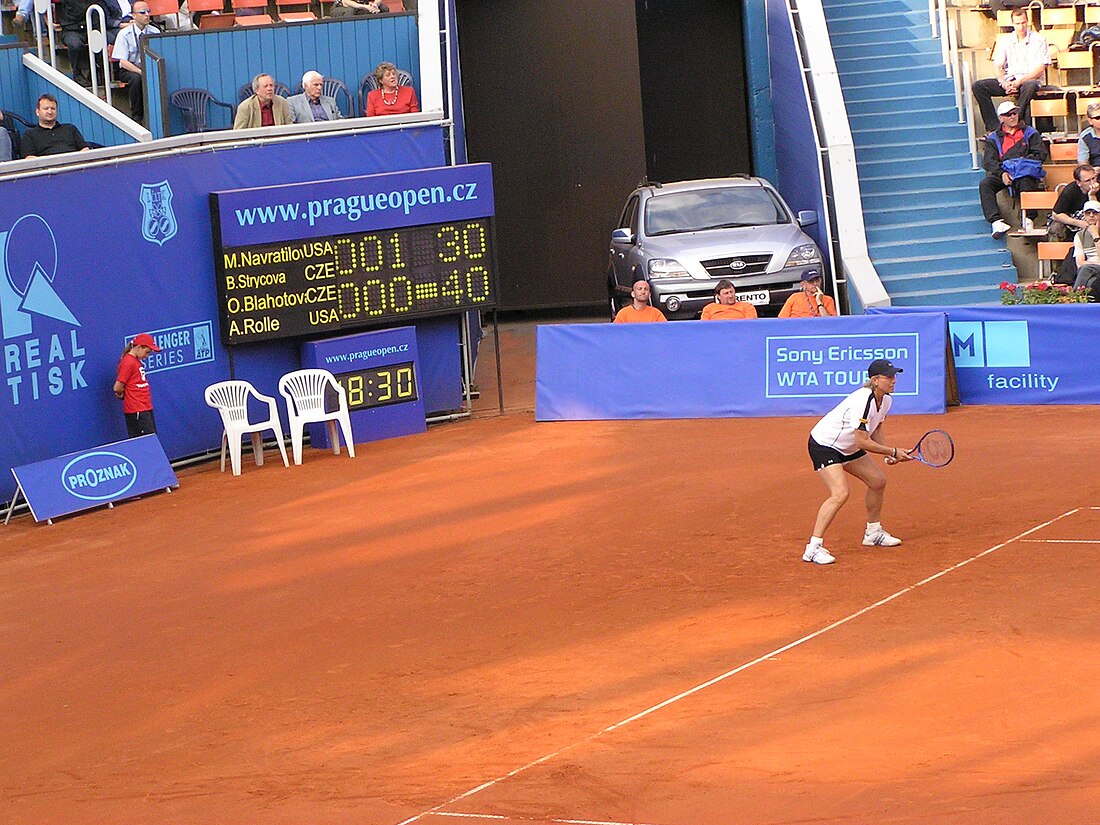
(943, 35)
(967, 114)
(836, 151)
(97, 45)
(43, 13)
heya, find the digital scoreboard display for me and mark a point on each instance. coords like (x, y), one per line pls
(280, 290)
(379, 386)
(323, 257)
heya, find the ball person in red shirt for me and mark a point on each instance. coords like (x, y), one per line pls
(133, 388)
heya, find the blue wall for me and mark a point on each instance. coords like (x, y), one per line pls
(82, 281)
(224, 60)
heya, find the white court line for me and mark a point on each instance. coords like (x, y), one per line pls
(711, 682)
(1060, 541)
(537, 819)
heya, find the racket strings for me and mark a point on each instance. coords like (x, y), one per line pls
(936, 448)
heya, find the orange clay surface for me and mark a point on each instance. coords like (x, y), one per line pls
(369, 641)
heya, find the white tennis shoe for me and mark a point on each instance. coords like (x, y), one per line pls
(817, 555)
(880, 538)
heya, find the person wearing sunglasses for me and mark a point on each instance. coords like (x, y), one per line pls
(131, 59)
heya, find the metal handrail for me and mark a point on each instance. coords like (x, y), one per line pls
(97, 45)
(968, 108)
(945, 52)
(44, 8)
(953, 69)
(932, 17)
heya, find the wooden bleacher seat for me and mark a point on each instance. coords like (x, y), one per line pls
(1050, 252)
(1063, 151)
(251, 19)
(1054, 107)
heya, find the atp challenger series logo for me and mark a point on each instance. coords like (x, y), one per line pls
(158, 223)
(40, 365)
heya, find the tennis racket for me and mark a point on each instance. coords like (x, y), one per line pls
(935, 448)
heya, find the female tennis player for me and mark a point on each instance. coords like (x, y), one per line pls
(839, 447)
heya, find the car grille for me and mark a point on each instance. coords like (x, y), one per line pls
(753, 265)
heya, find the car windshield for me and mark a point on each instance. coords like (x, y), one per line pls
(712, 209)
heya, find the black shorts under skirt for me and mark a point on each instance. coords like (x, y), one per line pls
(824, 456)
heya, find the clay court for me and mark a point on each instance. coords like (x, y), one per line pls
(502, 621)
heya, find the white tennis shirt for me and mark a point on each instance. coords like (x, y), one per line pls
(856, 412)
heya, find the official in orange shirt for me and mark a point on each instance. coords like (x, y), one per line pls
(639, 311)
(811, 302)
(726, 306)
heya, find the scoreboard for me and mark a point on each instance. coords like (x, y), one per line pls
(292, 275)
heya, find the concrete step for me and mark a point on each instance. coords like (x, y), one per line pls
(910, 184)
(898, 103)
(917, 165)
(974, 295)
(872, 49)
(912, 90)
(861, 62)
(988, 259)
(886, 76)
(862, 19)
(939, 247)
(879, 31)
(925, 232)
(900, 152)
(903, 213)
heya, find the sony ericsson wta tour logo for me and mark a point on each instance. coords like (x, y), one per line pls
(46, 364)
(158, 223)
(99, 475)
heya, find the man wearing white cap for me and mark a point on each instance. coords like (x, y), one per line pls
(1020, 59)
(1084, 246)
(1013, 157)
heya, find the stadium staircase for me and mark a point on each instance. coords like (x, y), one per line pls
(925, 231)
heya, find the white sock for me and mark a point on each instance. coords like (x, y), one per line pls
(816, 541)
(874, 526)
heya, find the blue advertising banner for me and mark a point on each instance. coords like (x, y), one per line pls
(1022, 354)
(90, 257)
(335, 207)
(379, 372)
(82, 480)
(728, 369)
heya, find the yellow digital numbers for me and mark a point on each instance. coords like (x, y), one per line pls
(354, 388)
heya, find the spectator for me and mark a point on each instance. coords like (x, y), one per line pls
(1013, 157)
(811, 302)
(311, 106)
(639, 310)
(726, 306)
(1084, 246)
(74, 32)
(1065, 215)
(264, 108)
(350, 8)
(389, 98)
(130, 57)
(5, 145)
(1088, 145)
(1020, 60)
(50, 137)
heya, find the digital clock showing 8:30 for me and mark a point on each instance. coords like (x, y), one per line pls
(303, 287)
(379, 386)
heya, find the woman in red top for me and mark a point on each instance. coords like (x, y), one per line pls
(133, 388)
(389, 98)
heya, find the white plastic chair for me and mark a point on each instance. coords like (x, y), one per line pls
(230, 399)
(304, 391)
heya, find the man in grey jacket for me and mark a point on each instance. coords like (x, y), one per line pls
(312, 106)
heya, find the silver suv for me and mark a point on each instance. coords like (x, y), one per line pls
(683, 238)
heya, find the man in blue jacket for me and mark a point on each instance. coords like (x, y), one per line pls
(1013, 158)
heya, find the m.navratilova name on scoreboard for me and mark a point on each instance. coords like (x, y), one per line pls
(839, 353)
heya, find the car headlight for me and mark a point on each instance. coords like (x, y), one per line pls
(802, 255)
(666, 268)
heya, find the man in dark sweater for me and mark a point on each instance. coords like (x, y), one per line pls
(1013, 157)
(50, 137)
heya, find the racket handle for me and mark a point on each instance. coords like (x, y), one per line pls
(891, 460)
